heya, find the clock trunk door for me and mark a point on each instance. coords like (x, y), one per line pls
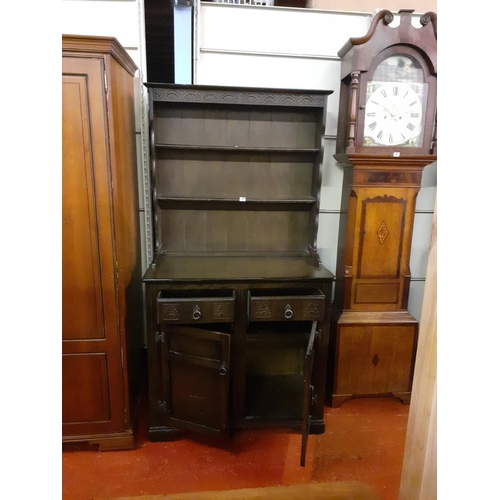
(308, 393)
(196, 379)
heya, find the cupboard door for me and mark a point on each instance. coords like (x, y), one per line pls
(196, 367)
(375, 359)
(308, 393)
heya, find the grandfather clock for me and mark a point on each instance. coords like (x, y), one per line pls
(386, 136)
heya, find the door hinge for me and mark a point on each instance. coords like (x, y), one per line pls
(314, 399)
(159, 337)
(162, 406)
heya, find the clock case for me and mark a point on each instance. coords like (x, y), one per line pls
(374, 337)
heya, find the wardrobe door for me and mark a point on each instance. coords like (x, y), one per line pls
(91, 369)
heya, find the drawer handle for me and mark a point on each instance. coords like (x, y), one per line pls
(196, 313)
(288, 312)
(223, 369)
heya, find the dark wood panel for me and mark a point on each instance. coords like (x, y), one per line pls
(216, 126)
(257, 176)
(198, 379)
(241, 231)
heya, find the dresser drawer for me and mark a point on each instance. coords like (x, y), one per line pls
(286, 305)
(211, 306)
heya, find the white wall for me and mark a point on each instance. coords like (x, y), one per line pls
(123, 20)
(297, 48)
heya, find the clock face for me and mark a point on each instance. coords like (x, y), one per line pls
(393, 116)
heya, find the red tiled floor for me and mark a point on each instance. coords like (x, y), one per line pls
(364, 441)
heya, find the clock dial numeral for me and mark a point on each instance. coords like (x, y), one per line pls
(384, 93)
(391, 141)
(373, 125)
(380, 135)
(415, 115)
(395, 90)
(371, 114)
(410, 126)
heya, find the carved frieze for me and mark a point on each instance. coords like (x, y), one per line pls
(231, 97)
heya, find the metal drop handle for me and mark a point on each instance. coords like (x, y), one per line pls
(288, 312)
(223, 369)
(196, 313)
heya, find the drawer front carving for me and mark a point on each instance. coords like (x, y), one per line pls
(300, 307)
(196, 309)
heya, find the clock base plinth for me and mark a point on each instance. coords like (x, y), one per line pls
(404, 397)
(374, 355)
(338, 399)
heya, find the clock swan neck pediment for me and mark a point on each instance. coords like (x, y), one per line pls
(381, 35)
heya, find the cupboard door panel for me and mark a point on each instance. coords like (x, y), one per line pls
(197, 368)
(375, 359)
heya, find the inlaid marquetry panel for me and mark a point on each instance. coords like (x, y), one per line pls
(381, 240)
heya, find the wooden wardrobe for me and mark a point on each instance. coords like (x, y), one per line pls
(102, 325)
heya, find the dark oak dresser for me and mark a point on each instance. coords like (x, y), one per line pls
(102, 310)
(238, 303)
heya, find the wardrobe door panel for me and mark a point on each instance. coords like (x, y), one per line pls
(82, 305)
